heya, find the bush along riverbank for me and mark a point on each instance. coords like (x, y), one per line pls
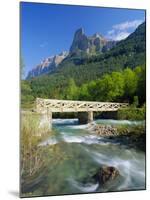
(31, 154)
(132, 113)
(131, 136)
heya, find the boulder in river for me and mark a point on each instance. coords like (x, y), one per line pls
(103, 130)
(106, 174)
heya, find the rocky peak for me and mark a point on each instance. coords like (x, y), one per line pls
(80, 41)
(63, 53)
(89, 44)
(79, 32)
(47, 65)
(59, 58)
(96, 35)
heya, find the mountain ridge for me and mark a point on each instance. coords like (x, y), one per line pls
(47, 65)
(82, 45)
(127, 52)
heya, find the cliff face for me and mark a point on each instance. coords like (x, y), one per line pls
(89, 45)
(47, 65)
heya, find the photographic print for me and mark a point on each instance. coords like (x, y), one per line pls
(83, 99)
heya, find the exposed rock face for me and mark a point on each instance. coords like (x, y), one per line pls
(106, 174)
(89, 45)
(47, 65)
(81, 45)
(80, 41)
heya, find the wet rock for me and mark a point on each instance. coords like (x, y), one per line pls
(106, 174)
(105, 130)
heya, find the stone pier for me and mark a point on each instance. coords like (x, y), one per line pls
(90, 116)
(46, 120)
(85, 117)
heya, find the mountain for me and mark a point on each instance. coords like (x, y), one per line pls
(47, 65)
(89, 45)
(81, 46)
(78, 71)
(129, 52)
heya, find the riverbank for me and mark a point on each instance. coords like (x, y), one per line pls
(131, 136)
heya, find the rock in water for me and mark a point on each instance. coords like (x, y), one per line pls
(105, 130)
(106, 174)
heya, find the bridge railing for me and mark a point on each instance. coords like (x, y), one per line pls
(54, 105)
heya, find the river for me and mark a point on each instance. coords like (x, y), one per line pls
(75, 155)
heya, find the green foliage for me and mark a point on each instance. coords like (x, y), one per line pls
(135, 103)
(84, 92)
(132, 113)
(116, 75)
(27, 97)
(141, 86)
(130, 81)
(72, 90)
(111, 87)
(116, 86)
(124, 86)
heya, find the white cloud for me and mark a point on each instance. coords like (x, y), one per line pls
(121, 35)
(123, 30)
(128, 24)
(117, 35)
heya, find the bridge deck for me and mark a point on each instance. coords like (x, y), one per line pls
(54, 105)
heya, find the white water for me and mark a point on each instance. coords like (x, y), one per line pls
(119, 122)
(129, 162)
(65, 121)
(89, 187)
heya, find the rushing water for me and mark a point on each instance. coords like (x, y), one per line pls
(77, 153)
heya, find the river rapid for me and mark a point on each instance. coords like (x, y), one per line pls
(76, 154)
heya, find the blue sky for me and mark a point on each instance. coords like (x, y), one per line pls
(48, 29)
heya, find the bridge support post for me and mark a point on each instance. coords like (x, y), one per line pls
(50, 120)
(90, 116)
(46, 122)
(85, 117)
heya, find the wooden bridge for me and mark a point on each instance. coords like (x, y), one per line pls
(47, 106)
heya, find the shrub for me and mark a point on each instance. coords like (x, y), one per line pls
(131, 113)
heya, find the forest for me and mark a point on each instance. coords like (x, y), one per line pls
(123, 86)
(117, 75)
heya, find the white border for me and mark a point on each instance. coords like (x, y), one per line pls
(9, 100)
